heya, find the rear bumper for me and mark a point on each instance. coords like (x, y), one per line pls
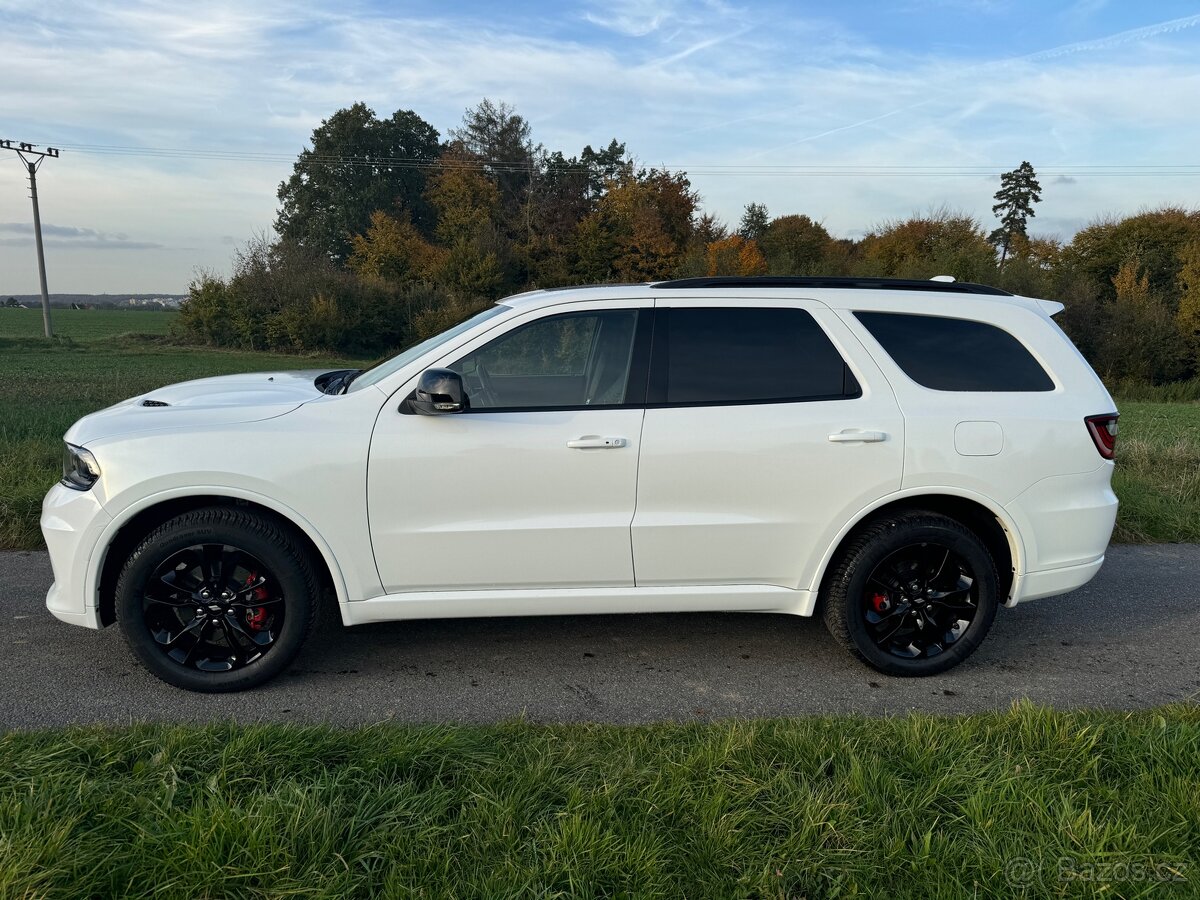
(1052, 582)
(72, 522)
(1066, 520)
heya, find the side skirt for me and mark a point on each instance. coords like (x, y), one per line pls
(577, 601)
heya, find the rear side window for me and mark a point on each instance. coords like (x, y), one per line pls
(956, 354)
(736, 355)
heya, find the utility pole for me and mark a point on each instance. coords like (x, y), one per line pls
(32, 160)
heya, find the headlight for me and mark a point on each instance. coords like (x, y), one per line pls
(80, 469)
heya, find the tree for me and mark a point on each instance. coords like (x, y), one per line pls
(754, 222)
(468, 206)
(795, 245)
(357, 164)
(393, 249)
(499, 140)
(1144, 342)
(650, 219)
(941, 242)
(604, 166)
(1019, 190)
(1188, 317)
(465, 200)
(1155, 238)
(735, 255)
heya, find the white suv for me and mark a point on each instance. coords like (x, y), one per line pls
(900, 456)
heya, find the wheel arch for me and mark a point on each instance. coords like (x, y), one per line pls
(987, 519)
(135, 522)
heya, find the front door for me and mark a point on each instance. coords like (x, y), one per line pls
(535, 485)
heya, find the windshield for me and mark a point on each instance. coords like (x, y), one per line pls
(384, 368)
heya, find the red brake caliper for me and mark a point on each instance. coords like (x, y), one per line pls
(881, 602)
(257, 618)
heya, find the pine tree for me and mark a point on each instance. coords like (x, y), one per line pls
(1019, 190)
(754, 222)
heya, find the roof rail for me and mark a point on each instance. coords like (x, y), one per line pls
(829, 281)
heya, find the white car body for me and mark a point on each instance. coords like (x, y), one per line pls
(709, 507)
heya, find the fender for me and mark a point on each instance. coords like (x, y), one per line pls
(100, 548)
(1015, 542)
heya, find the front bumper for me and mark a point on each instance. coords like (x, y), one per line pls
(72, 522)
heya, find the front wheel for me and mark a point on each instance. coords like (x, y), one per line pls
(217, 599)
(913, 594)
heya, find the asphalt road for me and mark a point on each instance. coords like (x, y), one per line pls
(1127, 640)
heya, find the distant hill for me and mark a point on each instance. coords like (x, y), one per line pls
(100, 301)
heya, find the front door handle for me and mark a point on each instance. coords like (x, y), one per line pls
(853, 436)
(594, 442)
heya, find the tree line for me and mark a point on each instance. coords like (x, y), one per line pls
(388, 233)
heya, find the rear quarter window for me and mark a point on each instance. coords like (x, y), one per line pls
(947, 354)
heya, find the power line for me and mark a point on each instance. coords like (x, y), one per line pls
(1118, 170)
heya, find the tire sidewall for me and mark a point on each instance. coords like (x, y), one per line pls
(175, 536)
(905, 535)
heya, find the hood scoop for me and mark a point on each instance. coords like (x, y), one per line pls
(154, 403)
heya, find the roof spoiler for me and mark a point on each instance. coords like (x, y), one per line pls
(1050, 307)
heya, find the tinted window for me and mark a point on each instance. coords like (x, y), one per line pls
(956, 354)
(580, 359)
(734, 355)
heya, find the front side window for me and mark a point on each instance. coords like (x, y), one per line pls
(386, 367)
(571, 360)
(713, 356)
(956, 354)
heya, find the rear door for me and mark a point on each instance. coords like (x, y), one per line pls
(767, 427)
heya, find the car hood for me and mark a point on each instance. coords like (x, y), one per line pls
(223, 400)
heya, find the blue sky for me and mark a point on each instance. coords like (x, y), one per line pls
(702, 85)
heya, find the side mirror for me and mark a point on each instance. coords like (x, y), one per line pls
(439, 392)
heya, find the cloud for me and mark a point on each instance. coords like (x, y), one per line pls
(1065, 179)
(694, 83)
(71, 237)
(632, 18)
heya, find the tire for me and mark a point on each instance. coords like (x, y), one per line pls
(216, 600)
(894, 600)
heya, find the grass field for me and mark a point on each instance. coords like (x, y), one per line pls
(1158, 472)
(45, 386)
(84, 324)
(1025, 803)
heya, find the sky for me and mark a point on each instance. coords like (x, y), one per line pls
(742, 95)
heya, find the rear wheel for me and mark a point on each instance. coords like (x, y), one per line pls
(912, 594)
(217, 599)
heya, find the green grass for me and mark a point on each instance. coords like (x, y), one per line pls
(84, 324)
(1158, 472)
(918, 806)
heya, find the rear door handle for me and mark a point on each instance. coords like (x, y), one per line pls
(850, 436)
(594, 442)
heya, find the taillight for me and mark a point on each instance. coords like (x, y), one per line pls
(1103, 430)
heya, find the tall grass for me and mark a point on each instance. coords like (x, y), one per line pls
(1024, 803)
(1175, 392)
(1157, 477)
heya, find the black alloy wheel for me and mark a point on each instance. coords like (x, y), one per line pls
(217, 599)
(911, 593)
(213, 608)
(920, 601)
